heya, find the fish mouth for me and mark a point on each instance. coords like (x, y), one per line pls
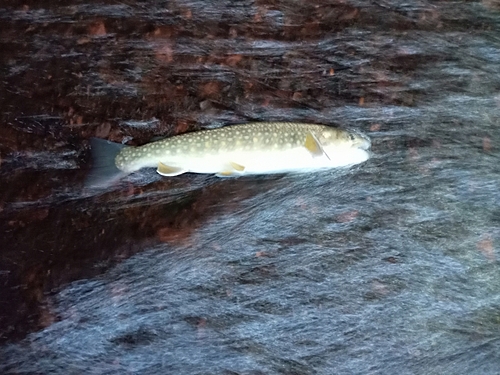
(364, 142)
(365, 145)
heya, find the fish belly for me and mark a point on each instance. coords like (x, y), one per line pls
(292, 160)
(272, 161)
(298, 160)
(251, 162)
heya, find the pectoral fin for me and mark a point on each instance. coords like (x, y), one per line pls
(168, 171)
(313, 146)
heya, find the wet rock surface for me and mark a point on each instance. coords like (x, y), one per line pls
(390, 267)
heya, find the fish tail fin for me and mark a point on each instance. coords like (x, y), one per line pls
(104, 171)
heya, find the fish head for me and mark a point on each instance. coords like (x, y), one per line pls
(345, 146)
(334, 137)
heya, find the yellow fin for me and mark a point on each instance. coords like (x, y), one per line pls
(232, 169)
(166, 170)
(226, 174)
(237, 167)
(313, 145)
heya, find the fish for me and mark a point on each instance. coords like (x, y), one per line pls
(233, 151)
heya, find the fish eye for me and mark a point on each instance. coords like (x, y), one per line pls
(351, 136)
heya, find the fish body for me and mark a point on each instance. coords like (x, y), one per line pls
(255, 148)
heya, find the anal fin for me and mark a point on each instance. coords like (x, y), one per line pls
(168, 171)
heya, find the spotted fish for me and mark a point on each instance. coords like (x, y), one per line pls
(254, 148)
